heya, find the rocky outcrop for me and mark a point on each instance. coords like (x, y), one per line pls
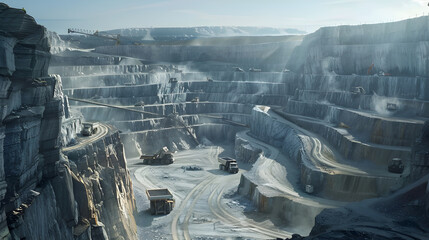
(397, 48)
(395, 217)
(101, 186)
(28, 105)
(43, 194)
(262, 55)
(420, 154)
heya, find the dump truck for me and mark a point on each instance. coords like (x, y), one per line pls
(163, 157)
(391, 107)
(89, 128)
(395, 165)
(228, 164)
(358, 90)
(161, 201)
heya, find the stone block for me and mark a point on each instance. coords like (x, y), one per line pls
(63, 188)
(7, 59)
(30, 63)
(99, 232)
(53, 109)
(51, 134)
(81, 197)
(36, 96)
(5, 89)
(17, 23)
(50, 159)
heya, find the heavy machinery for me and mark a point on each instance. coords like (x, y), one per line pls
(395, 165)
(195, 100)
(163, 157)
(358, 90)
(391, 107)
(309, 188)
(161, 201)
(94, 34)
(89, 128)
(228, 164)
(172, 80)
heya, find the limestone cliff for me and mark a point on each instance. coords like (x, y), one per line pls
(398, 48)
(45, 195)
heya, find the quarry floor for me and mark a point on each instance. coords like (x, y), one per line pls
(207, 203)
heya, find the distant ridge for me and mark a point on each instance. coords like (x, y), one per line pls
(182, 33)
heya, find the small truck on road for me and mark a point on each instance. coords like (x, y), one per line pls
(163, 157)
(161, 201)
(228, 164)
(89, 128)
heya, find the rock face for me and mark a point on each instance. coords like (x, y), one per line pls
(44, 195)
(261, 55)
(384, 218)
(390, 63)
(399, 48)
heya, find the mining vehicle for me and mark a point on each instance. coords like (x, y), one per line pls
(163, 156)
(358, 90)
(309, 188)
(396, 166)
(255, 70)
(89, 128)
(228, 164)
(172, 80)
(238, 69)
(195, 100)
(391, 107)
(161, 201)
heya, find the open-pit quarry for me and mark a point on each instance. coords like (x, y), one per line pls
(316, 123)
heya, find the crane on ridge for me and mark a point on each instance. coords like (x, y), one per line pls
(95, 34)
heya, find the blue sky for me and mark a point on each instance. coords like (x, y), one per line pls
(307, 15)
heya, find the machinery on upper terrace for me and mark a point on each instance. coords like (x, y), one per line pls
(89, 128)
(358, 90)
(94, 34)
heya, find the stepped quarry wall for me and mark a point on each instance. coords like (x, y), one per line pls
(256, 55)
(397, 48)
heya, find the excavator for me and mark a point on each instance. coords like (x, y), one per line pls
(95, 34)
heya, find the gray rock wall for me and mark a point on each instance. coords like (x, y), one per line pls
(250, 54)
(43, 195)
(102, 187)
(295, 146)
(399, 48)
